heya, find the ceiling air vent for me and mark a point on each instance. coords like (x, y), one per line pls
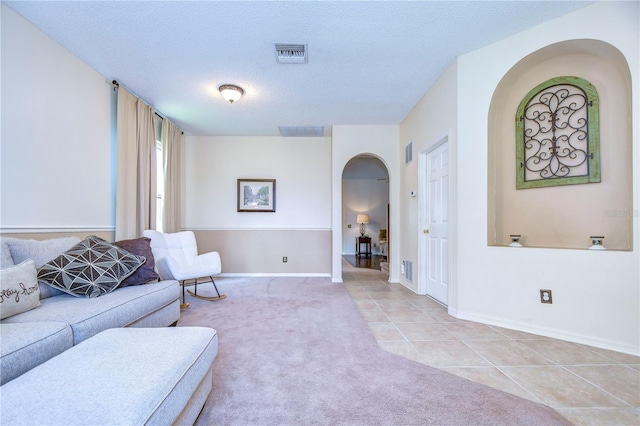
(290, 53)
(301, 131)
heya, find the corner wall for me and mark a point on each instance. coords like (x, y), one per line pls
(596, 295)
(434, 116)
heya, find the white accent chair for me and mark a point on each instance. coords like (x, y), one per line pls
(176, 257)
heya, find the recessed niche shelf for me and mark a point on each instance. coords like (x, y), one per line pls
(505, 247)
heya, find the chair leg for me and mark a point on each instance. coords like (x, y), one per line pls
(184, 304)
(215, 286)
(211, 298)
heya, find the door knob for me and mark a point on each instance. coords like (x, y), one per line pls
(426, 231)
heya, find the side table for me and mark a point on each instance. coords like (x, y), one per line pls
(367, 246)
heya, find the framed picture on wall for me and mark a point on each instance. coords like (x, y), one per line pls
(257, 195)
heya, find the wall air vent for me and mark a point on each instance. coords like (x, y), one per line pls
(408, 153)
(290, 53)
(301, 131)
(408, 271)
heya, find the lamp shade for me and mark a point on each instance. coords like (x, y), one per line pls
(231, 93)
(362, 218)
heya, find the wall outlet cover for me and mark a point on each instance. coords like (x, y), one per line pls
(545, 296)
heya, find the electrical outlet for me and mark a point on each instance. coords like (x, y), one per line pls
(284, 259)
(545, 296)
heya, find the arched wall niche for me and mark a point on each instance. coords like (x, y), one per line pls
(564, 216)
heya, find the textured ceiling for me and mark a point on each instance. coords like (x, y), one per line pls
(369, 62)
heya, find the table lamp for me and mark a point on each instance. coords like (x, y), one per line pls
(362, 219)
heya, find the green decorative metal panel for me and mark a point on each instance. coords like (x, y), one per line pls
(558, 134)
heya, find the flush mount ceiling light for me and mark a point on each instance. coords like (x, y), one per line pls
(231, 93)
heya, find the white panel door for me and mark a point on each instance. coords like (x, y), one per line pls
(436, 230)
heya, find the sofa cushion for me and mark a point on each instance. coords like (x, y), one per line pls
(19, 290)
(91, 268)
(119, 377)
(120, 308)
(6, 259)
(145, 273)
(41, 252)
(26, 345)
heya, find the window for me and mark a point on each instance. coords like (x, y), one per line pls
(557, 134)
(159, 186)
(159, 173)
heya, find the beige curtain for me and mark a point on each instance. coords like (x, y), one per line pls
(136, 180)
(172, 144)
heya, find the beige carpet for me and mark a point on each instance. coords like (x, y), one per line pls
(295, 351)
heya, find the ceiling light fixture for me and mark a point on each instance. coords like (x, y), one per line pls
(231, 93)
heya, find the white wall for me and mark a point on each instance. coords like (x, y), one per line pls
(595, 294)
(255, 243)
(349, 141)
(300, 166)
(432, 118)
(56, 144)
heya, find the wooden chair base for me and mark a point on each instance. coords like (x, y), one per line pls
(211, 298)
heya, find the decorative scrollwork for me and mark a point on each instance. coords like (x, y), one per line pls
(556, 143)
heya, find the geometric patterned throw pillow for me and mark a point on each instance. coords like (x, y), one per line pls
(91, 268)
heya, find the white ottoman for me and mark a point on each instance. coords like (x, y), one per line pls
(123, 376)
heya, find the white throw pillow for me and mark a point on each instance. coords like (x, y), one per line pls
(5, 259)
(41, 252)
(19, 291)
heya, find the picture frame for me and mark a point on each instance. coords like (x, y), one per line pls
(257, 195)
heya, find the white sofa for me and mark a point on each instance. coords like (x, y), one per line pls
(109, 359)
(62, 320)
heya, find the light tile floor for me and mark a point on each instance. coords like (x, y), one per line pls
(587, 385)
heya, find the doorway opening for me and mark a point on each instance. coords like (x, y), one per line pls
(365, 212)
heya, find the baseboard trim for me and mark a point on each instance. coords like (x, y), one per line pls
(549, 332)
(255, 228)
(276, 274)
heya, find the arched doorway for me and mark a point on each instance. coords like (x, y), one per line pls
(365, 193)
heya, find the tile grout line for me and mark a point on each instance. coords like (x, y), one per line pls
(500, 370)
(393, 323)
(403, 296)
(603, 390)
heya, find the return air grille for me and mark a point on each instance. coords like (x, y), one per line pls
(289, 53)
(301, 131)
(408, 270)
(408, 153)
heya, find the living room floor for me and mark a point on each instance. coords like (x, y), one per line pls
(587, 385)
